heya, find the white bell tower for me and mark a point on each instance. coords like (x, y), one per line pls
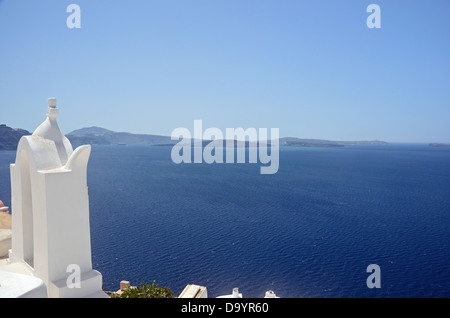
(50, 211)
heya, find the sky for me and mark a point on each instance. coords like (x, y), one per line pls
(313, 69)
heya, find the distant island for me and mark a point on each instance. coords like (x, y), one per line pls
(298, 142)
(438, 145)
(10, 137)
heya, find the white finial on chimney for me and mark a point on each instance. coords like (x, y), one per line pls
(52, 102)
(52, 110)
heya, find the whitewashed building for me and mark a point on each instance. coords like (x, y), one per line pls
(51, 241)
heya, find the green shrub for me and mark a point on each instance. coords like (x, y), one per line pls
(146, 291)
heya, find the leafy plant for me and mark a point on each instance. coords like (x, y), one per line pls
(145, 291)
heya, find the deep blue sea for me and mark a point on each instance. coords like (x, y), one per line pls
(310, 230)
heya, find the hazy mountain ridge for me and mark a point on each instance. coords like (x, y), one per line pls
(98, 135)
(10, 137)
(101, 136)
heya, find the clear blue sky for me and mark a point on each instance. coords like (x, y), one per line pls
(313, 69)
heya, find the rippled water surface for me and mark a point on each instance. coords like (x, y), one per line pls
(310, 230)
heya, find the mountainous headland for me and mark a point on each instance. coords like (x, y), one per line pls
(101, 136)
(10, 137)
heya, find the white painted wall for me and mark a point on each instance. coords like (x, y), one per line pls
(50, 210)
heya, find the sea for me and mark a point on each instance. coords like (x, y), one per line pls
(310, 230)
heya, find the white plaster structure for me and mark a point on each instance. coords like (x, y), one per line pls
(234, 294)
(50, 216)
(5, 230)
(270, 294)
(194, 291)
(5, 241)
